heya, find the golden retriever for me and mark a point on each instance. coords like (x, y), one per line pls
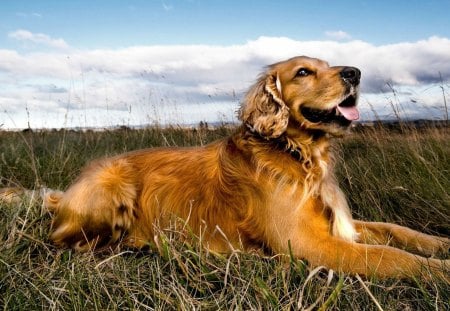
(269, 185)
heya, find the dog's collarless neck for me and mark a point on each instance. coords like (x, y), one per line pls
(294, 152)
(281, 144)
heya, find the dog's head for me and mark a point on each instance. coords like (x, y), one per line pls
(302, 93)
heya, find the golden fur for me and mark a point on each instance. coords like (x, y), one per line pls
(269, 185)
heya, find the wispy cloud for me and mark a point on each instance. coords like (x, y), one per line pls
(27, 15)
(167, 6)
(37, 38)
(338, 35)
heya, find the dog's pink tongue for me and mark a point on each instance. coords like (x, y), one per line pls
(350, 113)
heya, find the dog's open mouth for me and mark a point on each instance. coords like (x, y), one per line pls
(343, 114)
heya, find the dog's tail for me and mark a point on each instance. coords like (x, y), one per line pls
(18, 195)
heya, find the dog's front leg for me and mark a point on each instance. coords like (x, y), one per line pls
(370, 260)
(313, 240)
(402, 237)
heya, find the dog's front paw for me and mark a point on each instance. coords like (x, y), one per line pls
(439, 269)
(435, 246)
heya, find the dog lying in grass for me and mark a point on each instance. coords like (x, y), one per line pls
(269, 185)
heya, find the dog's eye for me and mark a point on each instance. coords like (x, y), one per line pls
(303, 72)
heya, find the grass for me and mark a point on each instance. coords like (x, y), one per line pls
(401, 177)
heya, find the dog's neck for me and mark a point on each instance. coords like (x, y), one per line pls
(297, 143)
(281, 143)
(300, 140)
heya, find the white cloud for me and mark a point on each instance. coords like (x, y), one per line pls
(26, 15)
(338, 35)
(142, 82)
(37, 38)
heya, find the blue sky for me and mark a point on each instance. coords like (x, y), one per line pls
(113, 23)
(102, 63)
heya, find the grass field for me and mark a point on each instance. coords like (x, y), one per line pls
(398, 176)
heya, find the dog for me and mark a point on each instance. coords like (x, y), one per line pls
(270, 185)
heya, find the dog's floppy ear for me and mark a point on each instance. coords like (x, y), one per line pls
(263, 109)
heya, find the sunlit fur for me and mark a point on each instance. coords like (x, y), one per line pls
(245, 191)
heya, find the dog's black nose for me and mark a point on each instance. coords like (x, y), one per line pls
(351, 75)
